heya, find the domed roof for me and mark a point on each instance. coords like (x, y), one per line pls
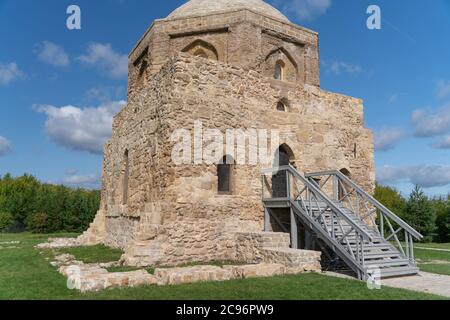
(206, 7)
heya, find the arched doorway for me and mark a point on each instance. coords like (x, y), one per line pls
(283, 219)
(283, 157)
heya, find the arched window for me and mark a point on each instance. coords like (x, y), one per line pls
(279, 69)
(143, 67)
(202, 49)
(126, 174)
(225, 175)
(281, 107)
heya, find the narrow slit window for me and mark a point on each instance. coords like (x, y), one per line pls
(126, 178)
(224, 175)
(281, 107)
(278, 74)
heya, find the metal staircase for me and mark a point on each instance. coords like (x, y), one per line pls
(369, 238)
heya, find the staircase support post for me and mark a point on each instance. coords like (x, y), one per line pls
(335, 188)
(266, 220)
(294, 231)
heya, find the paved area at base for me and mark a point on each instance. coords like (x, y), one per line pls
(423, 282)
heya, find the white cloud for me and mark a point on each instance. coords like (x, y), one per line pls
(80, 129)
(387, 138)
(425, 176)
(393, 98)
(444, 143)
(9, 72)
(431, 123)
(105, 93)
(5, 146)
(443, 89)
(53, 54)
(84, 181)
(72, 172)
(305, 9)
(103, 56)
(339, 67)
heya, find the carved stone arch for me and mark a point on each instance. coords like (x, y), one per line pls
(283, 156)
(283, 105)
(281, 58)
(288, 152)
(202, 49)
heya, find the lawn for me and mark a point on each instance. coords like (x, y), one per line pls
(94, 254)
(430, 255)
(436, 268)
(433, 261)
(25, 273)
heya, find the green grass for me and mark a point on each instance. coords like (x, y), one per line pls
(436, 268)
(424, 255)
(94, 254)
(429, 255)
(26, 274)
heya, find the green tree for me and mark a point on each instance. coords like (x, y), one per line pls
(391, 199)
(6, 219)
(420, 214)
(39, 223)
(45, 207)
(442, 208)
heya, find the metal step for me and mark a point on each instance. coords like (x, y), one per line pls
(388, 263)
(331, 220)
(399, 271)
(378, 255)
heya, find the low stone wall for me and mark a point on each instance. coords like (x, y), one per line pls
(245, 247)
(264, 254)
(93, 277)
(270, 247)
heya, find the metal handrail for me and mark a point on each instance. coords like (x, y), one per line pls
(371, 199)
(323, 196)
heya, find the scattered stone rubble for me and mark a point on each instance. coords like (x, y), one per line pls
(95, 277)
(262, 254)
(9, 245)
(58, 243)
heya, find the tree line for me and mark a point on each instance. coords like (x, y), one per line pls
(429, 216)
(28, 204)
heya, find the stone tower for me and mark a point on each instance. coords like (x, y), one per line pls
(229, 64)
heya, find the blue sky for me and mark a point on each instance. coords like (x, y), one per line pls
(60, 88)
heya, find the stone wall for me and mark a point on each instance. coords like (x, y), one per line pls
(241, 38)
(192, 221)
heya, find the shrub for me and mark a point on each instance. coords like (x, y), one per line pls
(6, 219)
(66, 209)
(38, 223)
